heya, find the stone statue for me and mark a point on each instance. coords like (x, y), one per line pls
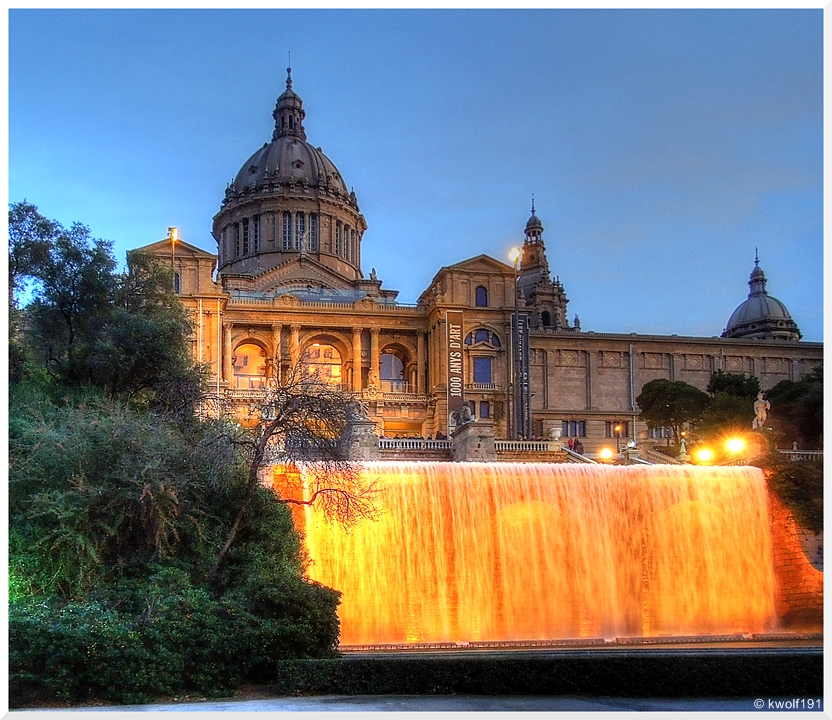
(761, 408)
(373, 275)
(357, 410)
(464, 415)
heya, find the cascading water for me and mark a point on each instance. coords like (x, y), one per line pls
(512, 551)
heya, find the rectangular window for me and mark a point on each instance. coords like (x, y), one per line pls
(338, 239)
(482, 370)
(485, 409)
(300, 231)
(237, 252)
(255, 233)
(313, 232)
(245, 237)
(573, 428)
(287, 231)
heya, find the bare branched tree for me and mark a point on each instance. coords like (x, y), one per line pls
(297, 423)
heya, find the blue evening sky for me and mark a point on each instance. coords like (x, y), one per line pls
(662, 146)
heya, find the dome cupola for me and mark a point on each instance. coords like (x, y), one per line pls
(289, 201)
(761, 315)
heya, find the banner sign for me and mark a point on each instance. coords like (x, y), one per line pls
(453, 320)
(522, 376)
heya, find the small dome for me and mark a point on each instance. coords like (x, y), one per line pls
(761, 315)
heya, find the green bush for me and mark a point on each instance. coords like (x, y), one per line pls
(182, 641)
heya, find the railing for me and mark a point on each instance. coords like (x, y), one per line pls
(656, 457)
(395, 386)
(573, 457)
(482, 386)
(524, 446)
(403, 397)
(803, 455)
(245, 394)
(326, 303)
(413, 444)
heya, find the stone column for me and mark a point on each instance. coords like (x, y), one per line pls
(278, 351)
(294, 345)
(375, 366)
(356, 359)
(420, 362)
(227, 369)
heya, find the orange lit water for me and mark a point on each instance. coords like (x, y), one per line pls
(510, 551)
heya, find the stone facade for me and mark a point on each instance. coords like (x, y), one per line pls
(289, 284)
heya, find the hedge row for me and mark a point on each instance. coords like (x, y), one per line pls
(653, 673)
(86, 651)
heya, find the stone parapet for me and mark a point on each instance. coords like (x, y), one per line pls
(474, 442)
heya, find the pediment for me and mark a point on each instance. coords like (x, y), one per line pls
(183, 249)
(481, 263)
(298, 273)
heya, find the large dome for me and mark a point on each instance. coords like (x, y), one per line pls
(761, 315)
(287, 202)
(288, 159)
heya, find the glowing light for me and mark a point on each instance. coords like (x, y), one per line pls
(735, 445)
(605, 454)
(174, 234)
(514, 255)
(705, 455)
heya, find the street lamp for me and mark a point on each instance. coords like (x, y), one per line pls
(617, 429)
(514, 255)
(173, 234)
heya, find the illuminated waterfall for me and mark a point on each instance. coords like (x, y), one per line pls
(512, 551)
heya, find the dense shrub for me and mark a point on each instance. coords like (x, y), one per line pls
(116, 517)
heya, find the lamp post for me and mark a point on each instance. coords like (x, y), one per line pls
(173, 234)
(617, 429)
(514, 255)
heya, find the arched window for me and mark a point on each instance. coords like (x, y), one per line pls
(481, 297)
(324, 362)
(392, 373)
(546, 318)
(176, 286)
(249, 366)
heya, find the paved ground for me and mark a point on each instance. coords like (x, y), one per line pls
(456, 703)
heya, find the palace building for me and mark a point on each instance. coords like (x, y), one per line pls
(287, 282)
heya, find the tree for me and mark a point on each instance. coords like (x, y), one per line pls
(88, 325)
(736, 384)
(731, 407)
(673, 404)
(298, 424)
(30, 238)
(797, 409)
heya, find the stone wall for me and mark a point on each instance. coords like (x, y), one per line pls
(799, 585)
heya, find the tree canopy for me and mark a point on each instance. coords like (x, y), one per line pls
(145, 554)
(88, 325)
(672, 404)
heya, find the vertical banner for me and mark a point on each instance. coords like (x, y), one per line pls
(453, 320)
(521, 376)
